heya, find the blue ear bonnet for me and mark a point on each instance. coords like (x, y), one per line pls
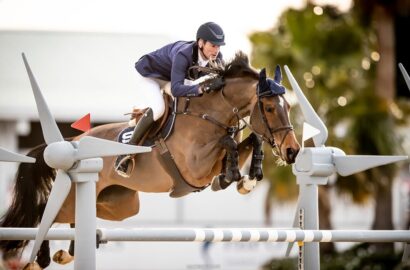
(269, 87)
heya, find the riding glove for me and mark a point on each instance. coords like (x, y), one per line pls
(212, 85)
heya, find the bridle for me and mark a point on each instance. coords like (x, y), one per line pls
(270, 139)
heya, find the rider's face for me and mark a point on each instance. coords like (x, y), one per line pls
(209, 50)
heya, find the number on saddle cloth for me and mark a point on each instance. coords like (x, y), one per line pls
(125, 135)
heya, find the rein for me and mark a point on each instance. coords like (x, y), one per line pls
(231, 130)
(206, 70)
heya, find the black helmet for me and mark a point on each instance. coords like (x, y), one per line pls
(211, 32)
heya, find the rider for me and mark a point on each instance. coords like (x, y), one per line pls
(172, 63)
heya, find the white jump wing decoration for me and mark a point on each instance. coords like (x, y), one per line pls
(405, 75)
(8, 156)
(314, 165)
(63, 155)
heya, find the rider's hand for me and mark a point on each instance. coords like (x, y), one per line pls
(212, 85)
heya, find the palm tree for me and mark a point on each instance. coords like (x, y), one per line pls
(379, 16)
(338, 59)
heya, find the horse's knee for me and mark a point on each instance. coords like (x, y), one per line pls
(228, 143)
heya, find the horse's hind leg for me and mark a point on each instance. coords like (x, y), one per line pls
(64, 257)
(71, 248)
(43, 258)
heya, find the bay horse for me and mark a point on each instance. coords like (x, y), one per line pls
(195, 145)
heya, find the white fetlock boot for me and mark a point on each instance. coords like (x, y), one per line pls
(246, 185)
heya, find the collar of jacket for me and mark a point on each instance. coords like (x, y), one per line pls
(195, 54)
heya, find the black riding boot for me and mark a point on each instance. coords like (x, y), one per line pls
(123, 161)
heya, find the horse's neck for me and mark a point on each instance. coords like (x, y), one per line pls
(239, 93)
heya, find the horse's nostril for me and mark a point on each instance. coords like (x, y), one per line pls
(291, 154)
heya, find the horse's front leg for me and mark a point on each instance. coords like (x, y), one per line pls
(251, 144)
(255, 170)
(64, 257)
(230, 168)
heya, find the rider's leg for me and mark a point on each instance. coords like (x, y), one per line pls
(150, 97)
(142, 126)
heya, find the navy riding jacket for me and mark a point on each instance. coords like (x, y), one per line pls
(171, 63)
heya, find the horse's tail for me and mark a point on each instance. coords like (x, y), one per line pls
(31, 190)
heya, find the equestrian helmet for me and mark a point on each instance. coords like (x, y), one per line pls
(211, 32)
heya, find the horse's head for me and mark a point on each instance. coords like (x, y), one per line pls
(248, 93)
(270, 117)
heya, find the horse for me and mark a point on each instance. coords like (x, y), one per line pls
(196, 145)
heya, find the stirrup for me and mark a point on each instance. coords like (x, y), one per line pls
(123, 168)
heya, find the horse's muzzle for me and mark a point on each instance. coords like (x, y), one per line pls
(291, 154)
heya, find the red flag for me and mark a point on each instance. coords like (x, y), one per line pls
(83, 123)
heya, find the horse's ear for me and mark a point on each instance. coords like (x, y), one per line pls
(278, 74)
(262, 75)
(263, 85)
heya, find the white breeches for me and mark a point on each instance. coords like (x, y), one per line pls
(148, 94)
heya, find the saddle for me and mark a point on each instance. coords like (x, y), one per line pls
(156, 137)
(161, 128)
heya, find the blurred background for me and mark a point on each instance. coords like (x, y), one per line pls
(343, 53)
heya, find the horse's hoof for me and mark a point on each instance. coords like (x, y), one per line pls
(220, 182)
(259, 174)
(245, 185)
(62, 257)
(32, 266)
(216, 185)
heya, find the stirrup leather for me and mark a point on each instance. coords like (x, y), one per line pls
(123, 168)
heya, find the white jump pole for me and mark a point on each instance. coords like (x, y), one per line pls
(215, 235)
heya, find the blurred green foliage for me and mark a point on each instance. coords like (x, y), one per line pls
(358, 257)
(334, 60)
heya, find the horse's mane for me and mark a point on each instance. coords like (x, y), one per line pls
(237, 67)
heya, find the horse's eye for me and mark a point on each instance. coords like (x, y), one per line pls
(269, 109)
